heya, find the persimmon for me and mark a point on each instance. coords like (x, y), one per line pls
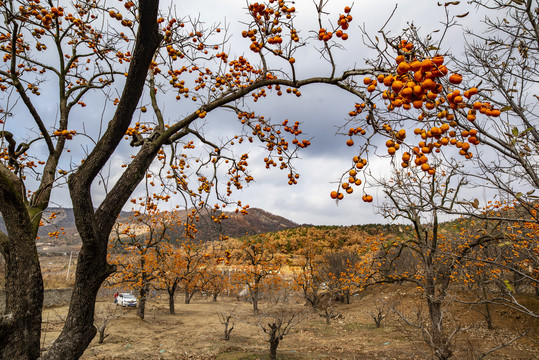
(388, 80)
(415, 65)
(438, 60)
(430, 105)
(397, 85)
(427, 65)
(455, 79)
(406, 156)
(350, 142)
(407, 92)
(403, 68)
(429, 84)
(458, 99)
(440, 71)
(334, 195)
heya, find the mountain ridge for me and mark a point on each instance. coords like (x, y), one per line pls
(59, 228)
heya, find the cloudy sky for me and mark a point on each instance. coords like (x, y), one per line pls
(320, 110)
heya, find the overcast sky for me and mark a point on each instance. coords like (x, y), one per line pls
(320, 110)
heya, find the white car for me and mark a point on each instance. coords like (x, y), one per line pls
(126, 299)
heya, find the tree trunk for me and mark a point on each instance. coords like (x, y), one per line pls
(79, 328)
(102, 335)
(20, 327)
(254, 299)
(188, 296)
(274, 343)
(488, 315)
(441, 345)
(141, 308)
(171, 291)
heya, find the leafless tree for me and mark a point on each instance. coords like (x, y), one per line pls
(276, 325)
(103, 319)
(227, 319)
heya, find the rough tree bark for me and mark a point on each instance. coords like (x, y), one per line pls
(20, 326)
(171, 289)
(141, 308)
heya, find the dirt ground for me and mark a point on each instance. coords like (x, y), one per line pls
(195, 331)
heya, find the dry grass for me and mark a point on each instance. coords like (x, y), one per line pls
(195, 332)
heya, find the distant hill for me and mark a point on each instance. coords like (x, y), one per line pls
(257, 221)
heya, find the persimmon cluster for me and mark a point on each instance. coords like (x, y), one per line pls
(267, 27)
(422, 83)
(118, 16)
(68, 134)
(138, 129)
(359, 163)
(342, 25)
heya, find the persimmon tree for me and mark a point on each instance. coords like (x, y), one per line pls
(309, 277)
(72, 50)
(193, 268)
(260, 265)
(80, 62)
(471, 116)
(217, 280)
(438, 256)
(500, 270)
(168, 277)
(137, 244)
(341, 272)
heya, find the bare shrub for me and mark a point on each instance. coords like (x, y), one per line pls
(103, 319)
